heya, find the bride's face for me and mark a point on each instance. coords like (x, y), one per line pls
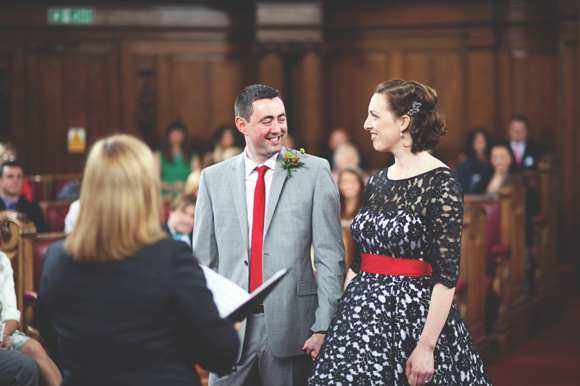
(384, 127)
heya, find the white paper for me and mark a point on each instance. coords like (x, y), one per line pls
(227, 295)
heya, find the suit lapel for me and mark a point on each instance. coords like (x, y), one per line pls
(238, 188)
(275, 189)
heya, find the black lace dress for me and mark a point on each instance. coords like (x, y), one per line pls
(380, 318)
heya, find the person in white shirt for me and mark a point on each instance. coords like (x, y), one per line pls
(15, 340)
(527, 153)
(72, 215)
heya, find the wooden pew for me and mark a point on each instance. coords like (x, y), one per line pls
(513, 208)
(17, 235)
(547, 298)
(470, 291)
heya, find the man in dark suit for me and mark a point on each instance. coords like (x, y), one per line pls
(11, 176)
(180, 223)
(527, 153)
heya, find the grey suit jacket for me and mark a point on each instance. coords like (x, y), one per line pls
(301, 211)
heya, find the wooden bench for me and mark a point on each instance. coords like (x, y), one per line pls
(17, 235)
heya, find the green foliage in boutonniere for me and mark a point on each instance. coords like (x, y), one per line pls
(291, 162)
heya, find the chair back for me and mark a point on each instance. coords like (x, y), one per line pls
(166, 210)
(41, 187)
(16, 238)
(54, 213)
(41, 244)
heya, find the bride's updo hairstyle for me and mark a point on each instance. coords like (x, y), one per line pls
(419, 102)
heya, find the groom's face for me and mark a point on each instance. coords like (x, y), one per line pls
(266, 130)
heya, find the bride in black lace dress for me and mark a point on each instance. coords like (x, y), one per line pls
(396, 323)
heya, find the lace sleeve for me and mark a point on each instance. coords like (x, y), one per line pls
(445, 222)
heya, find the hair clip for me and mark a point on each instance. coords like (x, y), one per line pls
(415, 109)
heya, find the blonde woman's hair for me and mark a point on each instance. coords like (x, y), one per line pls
(120, 202)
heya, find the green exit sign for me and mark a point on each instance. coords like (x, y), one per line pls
(71, 15)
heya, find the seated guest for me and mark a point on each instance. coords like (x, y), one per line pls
(526, 152)
(11, 177)
(502, 162)
(17, 369)
(346, 156)
(71, 217)
(126, 304)
(351, 190)
(475, 164)
(8, 153)
(337, 137)
(222, 138)
(176, 160)
(70, 191)
(15, 340)
(180, 223)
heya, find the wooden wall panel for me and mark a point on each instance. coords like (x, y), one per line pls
(189, 85)
(226, 82)
(481, 90)
(567, 147)
(448, 81)
(68, 87)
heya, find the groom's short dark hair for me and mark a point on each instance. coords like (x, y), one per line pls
(243, 105)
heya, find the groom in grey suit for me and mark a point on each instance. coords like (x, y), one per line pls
(282, 337)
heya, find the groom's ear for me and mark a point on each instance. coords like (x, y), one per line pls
(242, 125)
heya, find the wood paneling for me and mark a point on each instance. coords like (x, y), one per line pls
(138, 68)
(68, 86)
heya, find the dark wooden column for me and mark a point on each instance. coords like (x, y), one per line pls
(289, 37)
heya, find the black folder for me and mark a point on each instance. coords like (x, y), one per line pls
(257, 297)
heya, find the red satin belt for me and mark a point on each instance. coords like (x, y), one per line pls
(387, 265)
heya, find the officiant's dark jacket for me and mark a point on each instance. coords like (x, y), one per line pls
(144, 320)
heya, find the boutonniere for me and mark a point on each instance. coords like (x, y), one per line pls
(291, 162)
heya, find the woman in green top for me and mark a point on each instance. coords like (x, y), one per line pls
(176, 160)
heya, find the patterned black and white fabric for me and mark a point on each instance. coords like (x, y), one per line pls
(380, 318)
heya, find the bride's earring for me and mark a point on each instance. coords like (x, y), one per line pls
(401, 133)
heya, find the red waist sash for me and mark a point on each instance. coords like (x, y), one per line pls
(387, 265)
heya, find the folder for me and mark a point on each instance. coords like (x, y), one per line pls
(232, 301)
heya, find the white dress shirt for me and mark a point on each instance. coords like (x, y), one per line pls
(251, 179)
(518, 148)
(8, 306)
(71, 217)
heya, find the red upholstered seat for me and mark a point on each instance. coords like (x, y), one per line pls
(461, 286)
(56, 216)
(166, 210)
(41, 244)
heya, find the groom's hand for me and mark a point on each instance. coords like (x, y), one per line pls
(312, 345)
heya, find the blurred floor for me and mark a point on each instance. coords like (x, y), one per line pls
(552, 358)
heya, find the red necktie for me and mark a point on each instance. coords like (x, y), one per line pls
(258, 229)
